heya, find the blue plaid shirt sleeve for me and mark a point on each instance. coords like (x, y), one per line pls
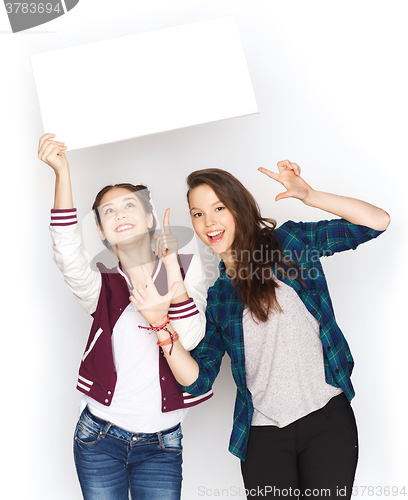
(338, 235)
(208, 354)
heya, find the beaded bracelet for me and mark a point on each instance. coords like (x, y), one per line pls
(156, 328)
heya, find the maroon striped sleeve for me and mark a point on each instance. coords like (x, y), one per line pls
(63, 217)
(183, 310)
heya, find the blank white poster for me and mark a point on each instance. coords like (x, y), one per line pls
(144, 84)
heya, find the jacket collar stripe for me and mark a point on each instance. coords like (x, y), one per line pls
(97, 335)
(157, 270)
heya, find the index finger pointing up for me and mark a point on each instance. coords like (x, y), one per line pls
(166, 222)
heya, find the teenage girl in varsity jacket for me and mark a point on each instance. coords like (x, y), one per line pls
(270, 310)
(128, 437)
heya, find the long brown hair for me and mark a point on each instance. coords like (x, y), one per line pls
(143, 194)
(255, 247)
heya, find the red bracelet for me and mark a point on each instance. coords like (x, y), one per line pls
(169, 340)
(156, 328)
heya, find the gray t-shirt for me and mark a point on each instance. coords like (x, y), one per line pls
(284, 362)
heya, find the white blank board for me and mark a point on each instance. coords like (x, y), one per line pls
(144, 84)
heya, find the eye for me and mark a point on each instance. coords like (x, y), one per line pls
(219, 209)
(130, 204)
(107, 211)
(197, 214)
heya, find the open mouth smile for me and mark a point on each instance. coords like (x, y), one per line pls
(216, 236)
(124, 227)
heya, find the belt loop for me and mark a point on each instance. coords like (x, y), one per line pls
(160, 437)
(106, 429)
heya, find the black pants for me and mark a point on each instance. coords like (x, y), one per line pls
(314, 457)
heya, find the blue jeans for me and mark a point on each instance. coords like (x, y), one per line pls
(110, 461)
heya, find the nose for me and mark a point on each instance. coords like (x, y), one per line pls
(120, 215)
(209, 221)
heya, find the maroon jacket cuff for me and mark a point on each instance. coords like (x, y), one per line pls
(63, 217)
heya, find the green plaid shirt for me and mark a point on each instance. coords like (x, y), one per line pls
(303, 243)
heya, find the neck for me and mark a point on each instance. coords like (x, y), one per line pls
(131, 258)
(228, 261)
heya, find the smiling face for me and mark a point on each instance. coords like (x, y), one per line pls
(123, 218)
(212, 220)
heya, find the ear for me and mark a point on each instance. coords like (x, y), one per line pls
(149, 221)
(101, 233)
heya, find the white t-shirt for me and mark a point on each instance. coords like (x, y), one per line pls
(284, 362)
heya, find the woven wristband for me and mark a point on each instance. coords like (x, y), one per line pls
(170, 340)
(156, 328)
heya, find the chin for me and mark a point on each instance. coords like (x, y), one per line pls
(218, 251)
(129, 240)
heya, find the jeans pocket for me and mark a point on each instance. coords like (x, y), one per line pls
(86, 433)
(172, 441)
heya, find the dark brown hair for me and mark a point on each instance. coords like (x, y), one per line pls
(255, 247)
(143, 194)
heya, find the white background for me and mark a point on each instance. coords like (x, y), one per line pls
(330, 81)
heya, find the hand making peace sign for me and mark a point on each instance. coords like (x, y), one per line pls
(289, 177)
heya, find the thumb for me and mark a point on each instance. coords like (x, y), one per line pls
(282, 196)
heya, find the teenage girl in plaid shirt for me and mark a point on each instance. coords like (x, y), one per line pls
(270, 309)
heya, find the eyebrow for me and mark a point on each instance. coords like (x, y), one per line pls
(212, 204)
(124, 199)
